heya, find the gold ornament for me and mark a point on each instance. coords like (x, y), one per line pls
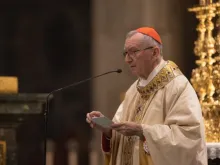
(206, 77)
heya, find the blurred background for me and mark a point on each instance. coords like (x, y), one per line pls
(49, 44)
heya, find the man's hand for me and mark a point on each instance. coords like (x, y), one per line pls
(129, 129)
(89, 116)
(92, 114)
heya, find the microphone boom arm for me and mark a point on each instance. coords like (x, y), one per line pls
(46, 112)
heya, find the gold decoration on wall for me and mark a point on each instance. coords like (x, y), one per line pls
(2, 153)
(206, 77)
(8, 85)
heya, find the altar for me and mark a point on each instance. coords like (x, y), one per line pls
(213, 150)
(21, 128)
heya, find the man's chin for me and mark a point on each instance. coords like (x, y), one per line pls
(133, 71)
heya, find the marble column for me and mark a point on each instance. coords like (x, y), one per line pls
(167, 19)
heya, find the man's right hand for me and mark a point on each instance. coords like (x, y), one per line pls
(93, 114)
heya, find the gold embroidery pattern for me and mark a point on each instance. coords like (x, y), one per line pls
(165, 75)
(128, 150)
(139, 112)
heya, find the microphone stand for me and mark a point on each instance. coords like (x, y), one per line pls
(46, 112)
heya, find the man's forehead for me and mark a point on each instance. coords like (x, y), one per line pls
(134, 41)
(130, 44)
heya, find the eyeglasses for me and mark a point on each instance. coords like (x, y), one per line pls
(133, 54)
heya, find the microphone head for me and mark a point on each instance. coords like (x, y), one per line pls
(119, 71)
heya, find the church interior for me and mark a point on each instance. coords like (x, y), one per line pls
(47, 45)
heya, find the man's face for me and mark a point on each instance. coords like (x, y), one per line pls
(140, 62)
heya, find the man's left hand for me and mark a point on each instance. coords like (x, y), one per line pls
(129, 129)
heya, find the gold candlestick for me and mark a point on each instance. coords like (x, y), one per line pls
(206, 77)
(202, 2)
(217, 39)
(199, 75)
(208, 2)
(209, 45)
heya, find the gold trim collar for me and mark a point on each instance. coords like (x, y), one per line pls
(163, 77)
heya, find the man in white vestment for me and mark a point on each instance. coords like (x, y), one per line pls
(160, 120)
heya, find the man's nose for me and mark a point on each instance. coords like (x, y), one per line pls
(128, 59)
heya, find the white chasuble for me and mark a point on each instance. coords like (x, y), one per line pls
(170, 114)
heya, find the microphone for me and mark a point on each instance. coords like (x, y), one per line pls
(82, 81)
(46, 112)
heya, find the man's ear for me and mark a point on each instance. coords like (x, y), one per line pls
(156, 52)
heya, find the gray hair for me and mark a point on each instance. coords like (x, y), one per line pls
(146, 39)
